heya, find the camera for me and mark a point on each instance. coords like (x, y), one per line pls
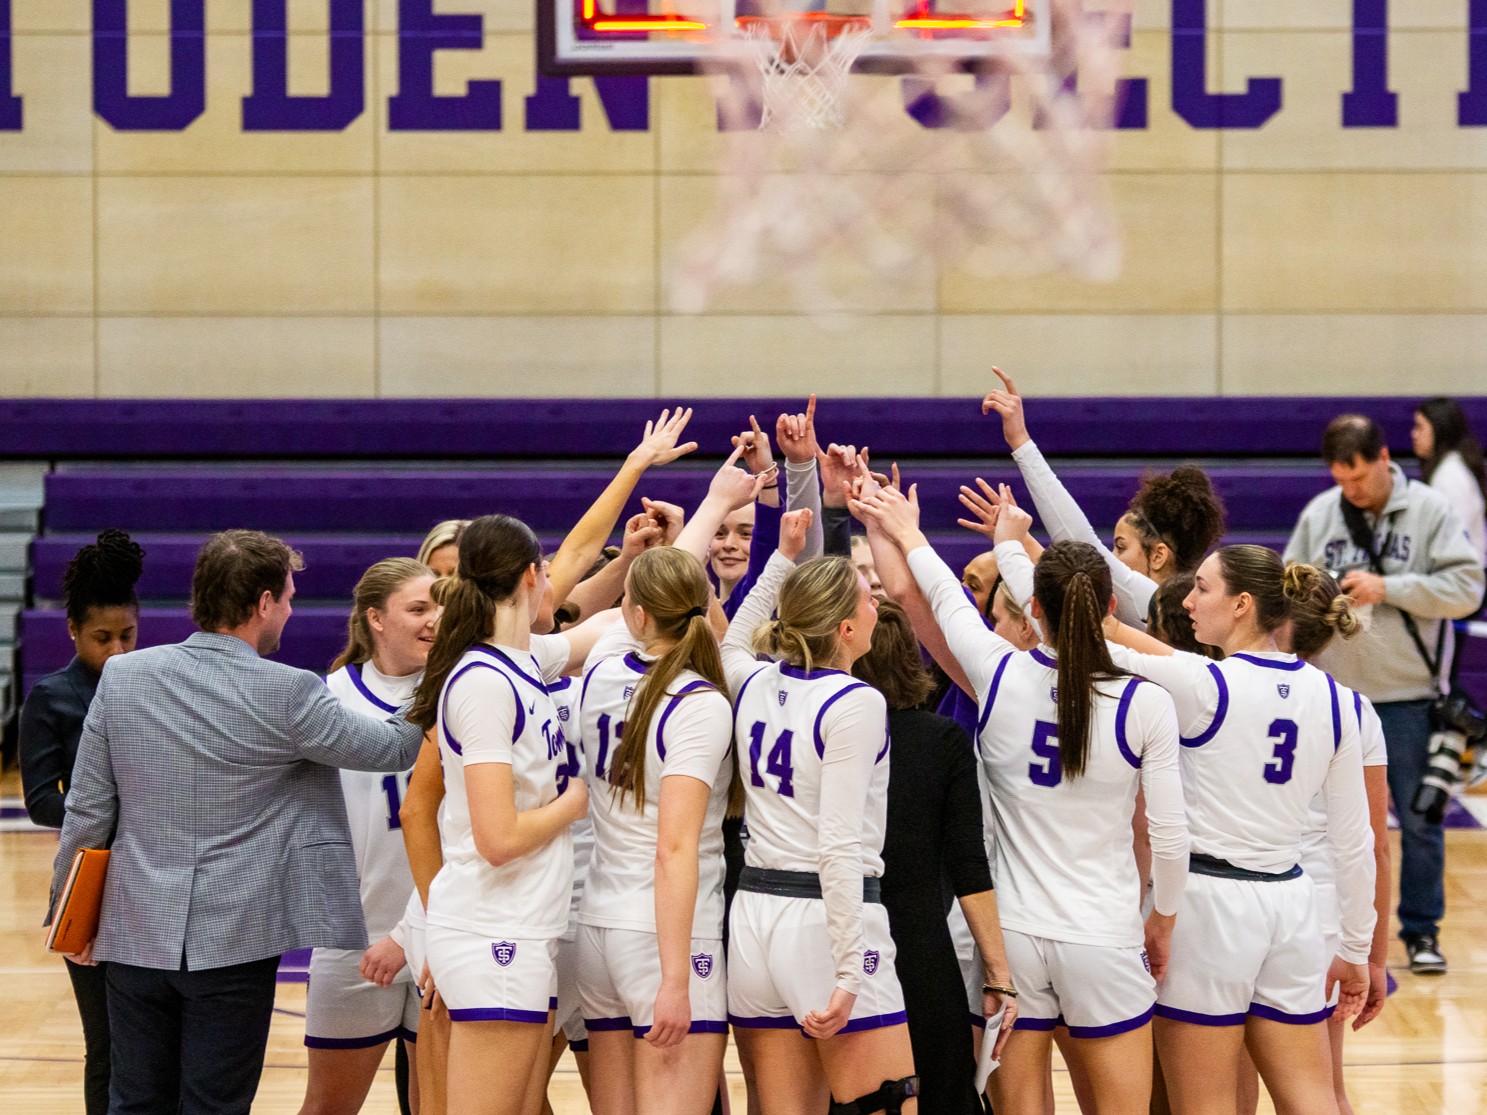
(1434, 794)
(1454, 712)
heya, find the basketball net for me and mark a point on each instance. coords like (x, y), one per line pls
(837, 185)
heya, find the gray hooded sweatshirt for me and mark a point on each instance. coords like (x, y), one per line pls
(1430, 571)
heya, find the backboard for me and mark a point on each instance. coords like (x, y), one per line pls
(598, 37)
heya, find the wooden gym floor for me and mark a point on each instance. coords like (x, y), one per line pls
(1426, 1055)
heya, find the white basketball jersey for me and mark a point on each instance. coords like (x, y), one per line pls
(373, 801)
(782, 720)
(1063, 859)
(495, 708)
(564, 693)
(1316, 856)
(690, 734)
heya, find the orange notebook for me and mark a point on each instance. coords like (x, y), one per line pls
(76, 921)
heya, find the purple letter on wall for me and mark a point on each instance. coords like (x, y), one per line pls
(1190, 96)
(1369, 104)
(271, 108)
(10, 104)
(554, 108)
(1471, 106)
(187, 98)
(415, 107)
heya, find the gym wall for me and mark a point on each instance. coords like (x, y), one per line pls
(203, 229)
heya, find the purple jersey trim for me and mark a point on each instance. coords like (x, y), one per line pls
(354, 1043)
(690, 687)
(537, 682)
(1268, 663)
(763, 1022)
(1035, 1023)
(561, 684)
(1037, 655)
(353, 670)
(738, 699)
(521, 715)
(1336, 715)
(799, 672)
(996, 683)
(1219, 712)
(874, 1022)
(1260, 1010)
(1113, 1028)
(977, 1021)
(695, 1028)
(1121, 711)
(497, 1014)
(826, 704)
(608, 1025)
(1197, 1018)
(636, 663)
(408, 1035)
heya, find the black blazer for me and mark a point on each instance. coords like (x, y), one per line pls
(51, 725)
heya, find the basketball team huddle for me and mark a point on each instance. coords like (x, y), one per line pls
(1182, 818)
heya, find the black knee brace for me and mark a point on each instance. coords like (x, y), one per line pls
(888, 1098)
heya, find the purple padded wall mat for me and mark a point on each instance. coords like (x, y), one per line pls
(95, 429)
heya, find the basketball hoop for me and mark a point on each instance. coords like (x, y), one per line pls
(804, 60)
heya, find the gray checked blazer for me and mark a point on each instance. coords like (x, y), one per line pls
(212, 774)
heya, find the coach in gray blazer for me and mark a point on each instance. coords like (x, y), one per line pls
(212, 774)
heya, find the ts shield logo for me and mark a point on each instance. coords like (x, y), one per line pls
(702, 964)
(504, 952)
(870, 962)
(782, 696)
(1283, 690)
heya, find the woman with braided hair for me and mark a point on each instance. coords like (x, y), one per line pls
(103, 620)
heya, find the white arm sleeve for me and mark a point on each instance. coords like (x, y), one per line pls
(803, 490)
(1350, 837)
(1195, 688)
(1065, 519)
(1155, 719)
(737, 647)
(613, 643)
(854, 731)
(1016, 568)
(978, 650)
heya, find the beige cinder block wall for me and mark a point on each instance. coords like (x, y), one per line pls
(1301, 256)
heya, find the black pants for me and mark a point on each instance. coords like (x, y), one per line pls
(189, 1042)
(90, 989)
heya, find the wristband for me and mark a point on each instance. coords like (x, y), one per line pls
(995, 989)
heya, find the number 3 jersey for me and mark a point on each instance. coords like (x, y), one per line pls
(690, 734)
(1262, 735)
(373, 800)
(496, 708)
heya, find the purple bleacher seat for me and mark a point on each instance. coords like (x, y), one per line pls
(333, 562)
(383, 429)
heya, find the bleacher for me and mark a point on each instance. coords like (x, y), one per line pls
(350, 482)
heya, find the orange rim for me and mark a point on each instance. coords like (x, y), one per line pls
(832, 24)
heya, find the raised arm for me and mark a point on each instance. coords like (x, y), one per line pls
(581, 547)
(1060, 513)
(796, 436)
(731, 488)
(737, 646)
(978, 650)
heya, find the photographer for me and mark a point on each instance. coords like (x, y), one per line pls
(1400, 552)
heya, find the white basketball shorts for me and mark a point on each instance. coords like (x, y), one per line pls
(1097, 991)
(493, 979)
(619, 976)
(570, 1008)
(780, 966)
(1243, 949)
(344, 1011)
(417, 927)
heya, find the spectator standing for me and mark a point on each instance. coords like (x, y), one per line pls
(1396, 545)
(211, 773)
(1451, 463)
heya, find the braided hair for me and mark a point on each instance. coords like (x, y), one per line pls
(102, 575)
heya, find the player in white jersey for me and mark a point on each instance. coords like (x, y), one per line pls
(1065, 740)
(500, 902)
(569, 1031)
(657, 729)
(359, 1001)
(1263, 734)
(813, 992)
